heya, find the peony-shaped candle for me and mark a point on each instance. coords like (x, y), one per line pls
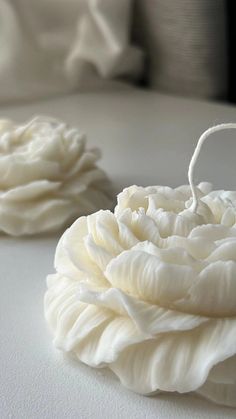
(150, 290)
(48, 177)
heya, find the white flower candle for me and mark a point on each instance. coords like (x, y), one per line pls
(150, 290)
(48, 177)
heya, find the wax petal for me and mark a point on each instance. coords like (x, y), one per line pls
(177, 361)
(149, 319)
(213, 293)
(139, 226)
(72, 258)
(146, 276)
(32, 190)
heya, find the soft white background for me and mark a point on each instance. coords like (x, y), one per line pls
(53, 46)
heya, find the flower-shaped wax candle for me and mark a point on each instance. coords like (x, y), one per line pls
(150, 290)
(47, 177)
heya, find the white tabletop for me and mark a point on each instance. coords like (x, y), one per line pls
(147, 138)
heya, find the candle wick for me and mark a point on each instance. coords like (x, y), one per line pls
(195, 156)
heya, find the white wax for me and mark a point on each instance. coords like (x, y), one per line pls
(149, 291)
(48, 177)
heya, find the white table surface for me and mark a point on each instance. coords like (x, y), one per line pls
(147, 138)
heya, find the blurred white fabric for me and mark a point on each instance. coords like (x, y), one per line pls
(54, 46)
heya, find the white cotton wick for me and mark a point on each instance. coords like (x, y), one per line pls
(195, 155)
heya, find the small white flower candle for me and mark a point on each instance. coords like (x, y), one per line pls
(150, 290)
(48, 177)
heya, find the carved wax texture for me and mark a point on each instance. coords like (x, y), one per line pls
(150, 291)
(48, 177)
